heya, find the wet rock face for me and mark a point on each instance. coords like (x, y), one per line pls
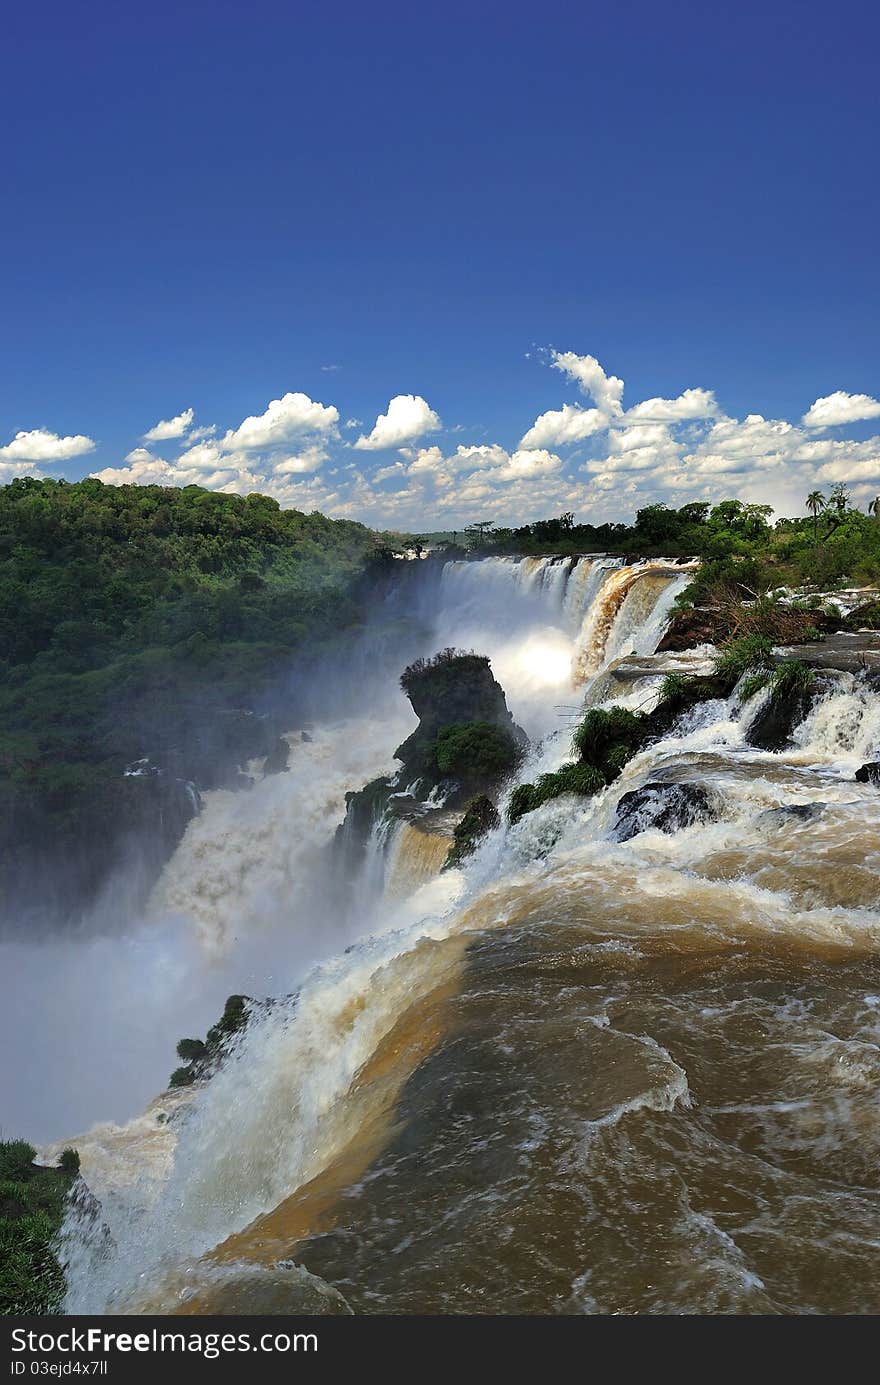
(795, 690)
(869, 773)
(774, 724)
(363, 809)
(693, 627)
(662, 808)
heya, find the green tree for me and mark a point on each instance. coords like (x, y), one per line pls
(477, 532)
(815, 505)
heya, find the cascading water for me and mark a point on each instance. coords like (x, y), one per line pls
(548, 622)
(586, 1075)
(415, 856)
(627, 616)
(241, 907)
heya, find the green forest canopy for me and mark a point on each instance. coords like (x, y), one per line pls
(129, 610)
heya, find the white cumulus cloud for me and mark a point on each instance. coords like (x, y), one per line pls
(309, 459)
(409, 417)
(691, 404)
(605, 390)
(291, 416)
(168, 428)
(569, 424)
(840, 407)
(143, 469)
(39, 445)
(661, 449)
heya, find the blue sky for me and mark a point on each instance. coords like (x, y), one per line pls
(211, 207)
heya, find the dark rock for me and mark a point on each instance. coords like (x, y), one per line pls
(713, 625)
(663, 807)
(866, 617)
(790, 812)
(306, 738)
(859, 654)
(689, 628)
(278, 758)
(869, 773)
(773, 725)
(363, 809)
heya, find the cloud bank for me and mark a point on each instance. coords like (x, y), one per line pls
(593, 452)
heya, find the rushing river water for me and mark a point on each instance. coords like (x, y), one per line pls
(577, 1076)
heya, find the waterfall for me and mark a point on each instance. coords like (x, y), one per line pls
(628, 614)
(551, 624)
(414, 857)
(249, 886)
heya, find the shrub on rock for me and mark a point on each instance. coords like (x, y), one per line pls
(481, 817)
(69, 1162)
(203, 1058)
(793, 688)
(607, 739)
(475, 751)
(583, 780)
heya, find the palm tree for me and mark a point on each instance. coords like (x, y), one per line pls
(815, 504)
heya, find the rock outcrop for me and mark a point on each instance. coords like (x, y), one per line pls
(466, 744)
(277, 760)
(448, 693)
(794, 688)
(662, 807)
(789, 813)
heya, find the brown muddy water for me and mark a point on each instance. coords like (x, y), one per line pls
(580, 1076)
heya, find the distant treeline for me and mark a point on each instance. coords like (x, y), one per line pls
(833, 543)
